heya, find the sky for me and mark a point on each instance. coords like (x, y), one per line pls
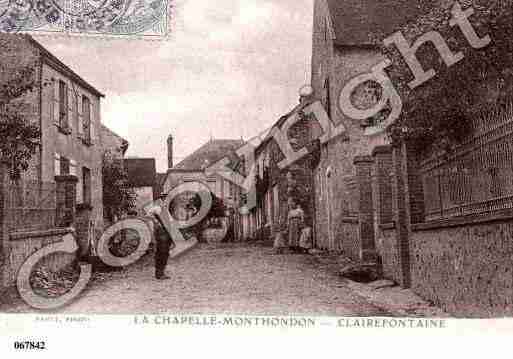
(229, 69)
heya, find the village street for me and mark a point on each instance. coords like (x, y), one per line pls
(238, 278)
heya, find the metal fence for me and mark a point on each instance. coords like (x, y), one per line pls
(29, 205)
(478, 177)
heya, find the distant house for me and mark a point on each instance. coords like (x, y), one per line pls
(192, 169)
(276, 187)
(142, 177)
(112, 142)
(159, 187)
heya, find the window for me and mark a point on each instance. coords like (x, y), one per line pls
(86, 185)
(243, 165)
(319, 183)
(64, 166)
(86, 113)
(328, 96)
(276, 206)
(63, 105)
(326, 30)
(230, 186)
(268, 218)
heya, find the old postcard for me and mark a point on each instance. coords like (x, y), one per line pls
(282, 167)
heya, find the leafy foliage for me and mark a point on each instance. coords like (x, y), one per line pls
(438, 112)
(118, 197)
(20, 135)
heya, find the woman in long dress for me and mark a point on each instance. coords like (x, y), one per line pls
(296, 219)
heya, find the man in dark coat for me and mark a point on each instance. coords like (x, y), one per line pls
(164, 243)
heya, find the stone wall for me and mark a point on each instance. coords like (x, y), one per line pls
(24, 244)
(386, 246)
(467, 270)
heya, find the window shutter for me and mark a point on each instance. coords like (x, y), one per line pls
(80, 187)
(73, 167)
(92, 121)
(56, 114)
(57, 164)
(71, 105)
(80, 129)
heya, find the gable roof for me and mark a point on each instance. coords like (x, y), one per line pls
(53, 61)
(358, 22)
(141, 172)
(209, 153)
(105, 131)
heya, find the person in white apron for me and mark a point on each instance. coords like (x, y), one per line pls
(296, 222)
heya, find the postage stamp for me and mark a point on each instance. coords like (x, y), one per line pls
(92, 17)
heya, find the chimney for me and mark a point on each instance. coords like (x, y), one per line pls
(306, 94)
(170, 151)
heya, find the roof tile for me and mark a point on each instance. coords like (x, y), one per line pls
(209, 153)
(358, 22)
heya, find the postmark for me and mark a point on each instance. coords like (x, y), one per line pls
(91, 17)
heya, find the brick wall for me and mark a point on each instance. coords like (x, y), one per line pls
(382, 174)
(386, 239)
(3, 231)
(401, 219)
(364, 166)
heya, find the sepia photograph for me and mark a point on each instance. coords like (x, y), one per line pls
(340, 164)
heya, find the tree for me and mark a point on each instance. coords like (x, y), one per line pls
(18, 129)
(118, 197)
(438, 112)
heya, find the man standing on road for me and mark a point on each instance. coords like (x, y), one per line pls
(164, 243)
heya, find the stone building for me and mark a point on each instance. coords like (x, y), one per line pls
(276, 186)
(197, 168)
(345, 46)
(192, 168)
(62, 187)
(142, 178)
(67, 109)
(113, 143)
